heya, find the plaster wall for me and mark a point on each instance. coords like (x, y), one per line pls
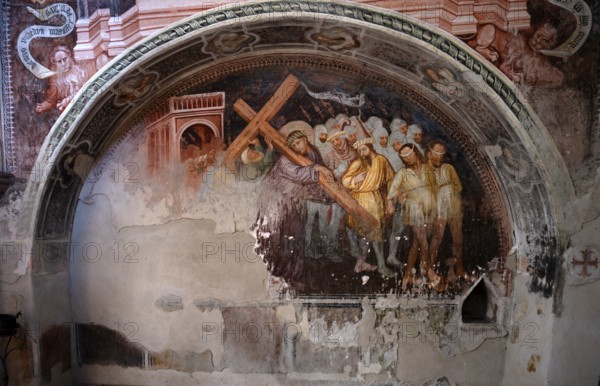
(192, 286)
(182, 299)
(575, 334)
(575, 338)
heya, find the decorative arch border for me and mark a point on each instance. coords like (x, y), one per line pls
(39, 199)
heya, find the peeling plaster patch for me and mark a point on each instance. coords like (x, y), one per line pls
(515, 333)
(522, 263)
(11, 256)
(14, 258)
(331, 326)
(440, 381)
(391, 301)
(187, 362)
(373, 368)
(542, 266)
(385, 350)
(332, 335)
(533, 363)
(390, 356)
(401, 320)
(156, 201)
(286, 313)
(366, 326)
(231, 211)
(169, 303)
(187, 332)
(316, 378)
(10, 302)
(253, 339)
(394, 383)
(520, 310)
(334, 315)
(207, 305)
(10, 208)
(315, 358)
(210, 329)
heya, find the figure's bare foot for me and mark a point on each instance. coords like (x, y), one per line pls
(406, 280)
(433, 278)
(436, 281)
(451, 263)
(393, 261)
(442, 285)
(462, 274)
(362, 265)
(432, 275)
(417, 281)
(386, 272)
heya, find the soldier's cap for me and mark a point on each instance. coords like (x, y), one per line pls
(336, 134)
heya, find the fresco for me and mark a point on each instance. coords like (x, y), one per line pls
(346, 188)
(543, 59)
(549, 62)
(44, 74)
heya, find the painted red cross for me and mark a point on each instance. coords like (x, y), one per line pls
(587, 261)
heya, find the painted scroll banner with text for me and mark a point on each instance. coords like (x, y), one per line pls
(44, 31)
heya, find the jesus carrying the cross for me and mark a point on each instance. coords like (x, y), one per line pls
(280, 241)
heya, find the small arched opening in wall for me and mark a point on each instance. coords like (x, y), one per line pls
(197, 135)
(336, 72)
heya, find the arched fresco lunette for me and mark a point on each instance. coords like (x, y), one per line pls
(52, 199)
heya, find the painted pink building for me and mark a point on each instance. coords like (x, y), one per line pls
(103, 33)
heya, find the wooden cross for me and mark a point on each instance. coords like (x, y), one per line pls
(258, 123)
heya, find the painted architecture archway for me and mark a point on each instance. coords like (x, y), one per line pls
(514, 178)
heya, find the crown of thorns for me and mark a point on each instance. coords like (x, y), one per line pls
(363, 141)
(436, 152)
(294, 135)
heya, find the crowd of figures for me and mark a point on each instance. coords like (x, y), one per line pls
(397, 175)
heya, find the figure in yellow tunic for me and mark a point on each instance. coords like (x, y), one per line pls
(367, 179)
(449, 207)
